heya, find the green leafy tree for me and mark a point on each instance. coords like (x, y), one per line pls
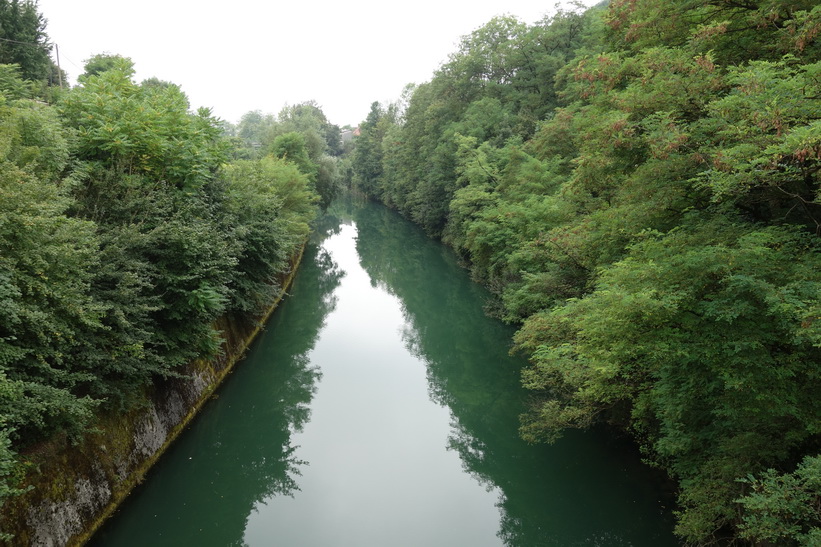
(781, 508)
(148, 178)
(765, 156)
(121, 242)
(23, 39)
(735, 31)
(482, 64)
(293, 148)
(367, 160)
(254, 128)
(639, 186)
(495, 87)
(705, 341)
(271, 203)
(46, 266)
(307, 118)
(143, 130)
(302, 134)
(12, 85)
(103, 62)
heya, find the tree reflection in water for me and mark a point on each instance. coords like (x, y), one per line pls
(239, 452)
(588, 489)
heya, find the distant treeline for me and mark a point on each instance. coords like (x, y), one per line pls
(638, 184)
(128, 225)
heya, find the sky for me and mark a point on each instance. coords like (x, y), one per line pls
(243, 55)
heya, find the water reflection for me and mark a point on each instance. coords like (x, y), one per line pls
(326, 435)
(588, 489)
(240, 451)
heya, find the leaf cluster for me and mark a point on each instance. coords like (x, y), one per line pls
(300, 134)
(124, 235)
(638, 186)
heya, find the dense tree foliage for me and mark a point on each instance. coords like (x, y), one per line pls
(639, 186)
(125, 231)
(23, 39)
(300, 134)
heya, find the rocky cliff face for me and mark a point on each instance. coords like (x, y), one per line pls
(88, 481)
(73, 489)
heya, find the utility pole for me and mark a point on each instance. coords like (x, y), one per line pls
(59, 70)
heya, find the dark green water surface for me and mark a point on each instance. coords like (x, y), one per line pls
(380, 408)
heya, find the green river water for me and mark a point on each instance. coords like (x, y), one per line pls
(380, 408)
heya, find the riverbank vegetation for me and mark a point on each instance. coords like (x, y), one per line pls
(128, 225)
(638, 184)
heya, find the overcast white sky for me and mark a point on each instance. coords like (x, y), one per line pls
(245, 55)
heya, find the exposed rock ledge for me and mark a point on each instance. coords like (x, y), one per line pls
(75, 488)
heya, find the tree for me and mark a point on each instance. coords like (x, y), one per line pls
(733, 31)
(308, 119)
(12, 85)
(254, 126)
(121, 243)
(23, 39)
(784, 507)
(367, 160)
(766, 157)
(148, 179)
(143, 129)
(292, 147)
(644, 198)
(704, 339)
(271, 204)
(103, 62)
(47, 260)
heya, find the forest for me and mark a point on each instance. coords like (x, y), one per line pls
(638, 185)
(128, 225)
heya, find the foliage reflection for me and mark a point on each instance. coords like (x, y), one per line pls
(240, 453)
(586, 490)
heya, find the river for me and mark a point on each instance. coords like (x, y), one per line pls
(380, 408)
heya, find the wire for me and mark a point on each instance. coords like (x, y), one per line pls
(24, 43)
(69, 59)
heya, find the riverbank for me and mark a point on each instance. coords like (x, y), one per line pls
(380, 407)
(73, 489)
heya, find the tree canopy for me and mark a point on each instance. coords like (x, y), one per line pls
(300, 134)
(125, 232)
(23, 39)
(638, 184)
